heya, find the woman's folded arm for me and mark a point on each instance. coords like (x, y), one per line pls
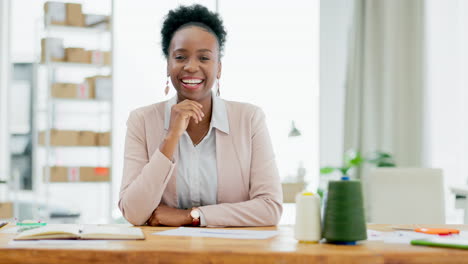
(144, 177)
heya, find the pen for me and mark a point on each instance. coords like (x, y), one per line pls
(2, 224)
(31, 224)
(432, 231)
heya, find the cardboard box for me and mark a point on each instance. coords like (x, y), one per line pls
(55, 13)
(97, 21)
(85, 91)
(78, 174)
(6, 210)
(87, 138)
(72, 91)
(62, 174)
(54, 46)
(77, 55)
(57, 174)
(100, 86)
(64, 90)
(60, 137)
(74, 15)
(100, 57)
(104, 139)
(107, 58)
(94, 174)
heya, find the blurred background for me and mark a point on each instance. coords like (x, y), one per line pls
(371, 89)
(73, 70)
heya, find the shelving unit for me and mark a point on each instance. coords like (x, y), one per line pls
(47, 109)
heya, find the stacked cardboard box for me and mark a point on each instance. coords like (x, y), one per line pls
(101, 86)
(71, 14)
(74, 15)
(55, 48)
(58, 13)
(78, 174)
(104, 139)
(60, 137)
(81, 55)
(87, 138)
(6, 210)
(76, 138)
(55, 12)
(77, 55)
(97, 21)
(72, 91)
(100, 57)
(69, 138)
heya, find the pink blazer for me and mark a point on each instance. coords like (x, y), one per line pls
(249, 188)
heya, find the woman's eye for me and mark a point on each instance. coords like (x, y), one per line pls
(204, 58)
(179, 57)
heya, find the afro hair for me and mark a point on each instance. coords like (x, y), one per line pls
(197, 15)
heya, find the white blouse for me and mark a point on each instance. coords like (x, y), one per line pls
(197, 177)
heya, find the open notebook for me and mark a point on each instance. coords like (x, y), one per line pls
(81, 232)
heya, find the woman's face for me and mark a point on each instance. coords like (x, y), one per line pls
(193, 63)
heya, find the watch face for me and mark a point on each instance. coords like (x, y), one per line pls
(195, 214)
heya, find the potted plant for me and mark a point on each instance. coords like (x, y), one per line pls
(353, 159)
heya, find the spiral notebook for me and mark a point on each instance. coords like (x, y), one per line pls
(81, 232)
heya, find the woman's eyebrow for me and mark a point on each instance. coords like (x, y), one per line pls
(200, 50)
(204, 50)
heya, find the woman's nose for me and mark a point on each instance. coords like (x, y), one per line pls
(191, 66)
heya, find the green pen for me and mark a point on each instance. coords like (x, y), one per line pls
(31, 224)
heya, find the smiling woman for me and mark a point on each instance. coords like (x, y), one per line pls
(197, 159)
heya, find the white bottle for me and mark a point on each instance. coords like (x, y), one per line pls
(308, 225)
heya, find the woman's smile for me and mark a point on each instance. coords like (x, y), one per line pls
(192, 83)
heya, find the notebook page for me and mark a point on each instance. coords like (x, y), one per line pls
(110, 232)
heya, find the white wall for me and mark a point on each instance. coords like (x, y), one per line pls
(447, 84)
(335, 23)
(4, 95)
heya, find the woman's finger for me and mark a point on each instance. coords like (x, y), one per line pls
(194, 106)
(197, 116)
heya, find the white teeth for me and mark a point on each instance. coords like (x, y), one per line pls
(192, 81)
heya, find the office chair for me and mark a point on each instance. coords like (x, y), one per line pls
(406, 196)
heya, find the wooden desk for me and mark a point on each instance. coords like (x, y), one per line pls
(281, 249)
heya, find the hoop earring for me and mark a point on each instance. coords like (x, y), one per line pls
(166, 91)
(218, 93)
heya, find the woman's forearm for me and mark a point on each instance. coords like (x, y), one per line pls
(169, 145)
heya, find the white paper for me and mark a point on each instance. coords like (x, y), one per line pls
(218, 233)
(401, 237)
(10, 230)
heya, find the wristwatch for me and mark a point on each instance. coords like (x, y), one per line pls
(195, 214)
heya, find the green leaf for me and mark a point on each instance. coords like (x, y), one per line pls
(344, 170)
(356, 161)
(384, 155)
(327, 170)
(381, 159)
(353, 158)
(385, 164)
